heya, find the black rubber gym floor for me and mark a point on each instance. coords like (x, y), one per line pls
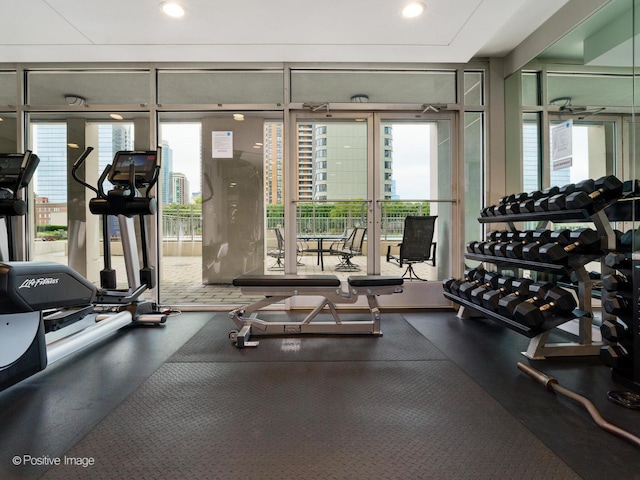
(435, 397)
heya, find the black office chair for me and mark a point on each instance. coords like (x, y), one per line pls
(417, 244)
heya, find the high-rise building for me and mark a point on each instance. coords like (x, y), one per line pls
(305, 161)
(180, 188)
(50, 144)
(273, 161)
(332, 162)
(165, 174)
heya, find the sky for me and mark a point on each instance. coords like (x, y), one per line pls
(411, 163)
(184, 140)
(410, 156)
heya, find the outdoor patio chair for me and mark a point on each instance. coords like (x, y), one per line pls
(278, 251)
(348, 249)
(417, 244)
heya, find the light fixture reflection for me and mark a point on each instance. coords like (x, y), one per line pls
(73, 145)
(116, 116)
(172, 9)
(413, 9)
(239, 117)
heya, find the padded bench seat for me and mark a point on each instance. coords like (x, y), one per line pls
(286, 281)
(374, 281)
(276, 288)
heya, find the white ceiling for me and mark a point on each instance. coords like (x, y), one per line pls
(265, 30)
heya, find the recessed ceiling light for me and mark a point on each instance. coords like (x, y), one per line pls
(116, 116)
(172, 9)
(413, 9)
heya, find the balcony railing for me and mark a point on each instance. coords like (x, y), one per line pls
(185, 223)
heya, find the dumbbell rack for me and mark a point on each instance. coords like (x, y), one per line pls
(626, 210)
(539, 346)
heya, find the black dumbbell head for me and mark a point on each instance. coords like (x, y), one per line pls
(617, 260)
(617, 306)
(586, 186)
(446, 284)
(586, 240)
(609, 186)
(520, 291)
(616, 356)
(560, 300)
(561, 236)
(614, 331)
(541, 205)
(556, 299)
(536, 296)
(583, 240)
(528, 315)
(489, 279)
(616, 283)
(606, 187)
(556, 202)
(567, 189)
(476, 294)
(528, 205)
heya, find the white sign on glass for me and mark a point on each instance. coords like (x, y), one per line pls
(222, 144)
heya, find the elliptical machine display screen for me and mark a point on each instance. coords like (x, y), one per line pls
(11, 168)
(144, 164)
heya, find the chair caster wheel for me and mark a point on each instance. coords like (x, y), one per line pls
(233, 336)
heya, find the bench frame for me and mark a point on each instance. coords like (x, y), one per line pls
(331, 291)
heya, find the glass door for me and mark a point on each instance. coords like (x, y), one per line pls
(355, 179)
(414, 197)
(332, 194)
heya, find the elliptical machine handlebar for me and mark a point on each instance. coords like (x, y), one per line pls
(78, 163)
(156, 171)
(101, 180)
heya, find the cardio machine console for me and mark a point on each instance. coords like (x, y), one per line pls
(13, 165)
(144, 164)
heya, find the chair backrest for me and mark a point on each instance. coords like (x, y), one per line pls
(356, 239)
(280, 239)
(418, 237)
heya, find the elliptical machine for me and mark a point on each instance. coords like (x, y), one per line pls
(16, 171)
(27, 289)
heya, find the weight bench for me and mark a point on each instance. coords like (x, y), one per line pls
(276, 288)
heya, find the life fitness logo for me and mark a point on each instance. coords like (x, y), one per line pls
(38, 282)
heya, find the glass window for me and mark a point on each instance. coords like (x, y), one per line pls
(8, 88)
(531, 152)
(212, 87)
(221, 214)
(437, 86)
(588, 90)
(73, 234)
(474, 173)
(89, 88)
(8, 132)
(592, 151)
(530, 88)
(474, 88)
